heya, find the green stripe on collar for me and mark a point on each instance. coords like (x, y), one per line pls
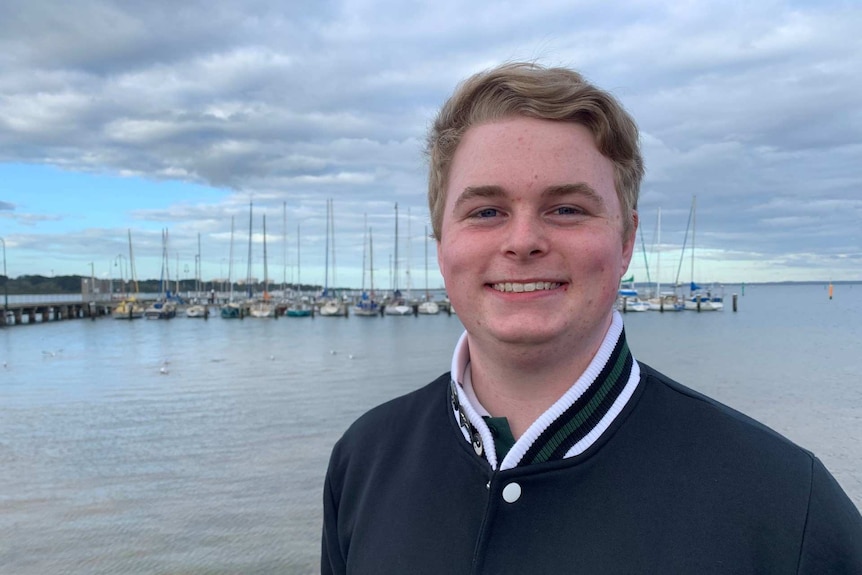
(585, 413)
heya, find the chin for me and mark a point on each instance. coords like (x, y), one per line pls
(521, 335)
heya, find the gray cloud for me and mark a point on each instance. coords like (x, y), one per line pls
(754, 108)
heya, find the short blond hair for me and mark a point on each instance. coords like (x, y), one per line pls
(535, 91)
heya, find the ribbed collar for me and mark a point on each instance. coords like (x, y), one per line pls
(569, 426)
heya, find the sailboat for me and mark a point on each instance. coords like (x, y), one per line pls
(198, 309)
(627, 297)
(700, 298)
(428, 307)
(331, 305)
(164, 307)
(130, 307)
(396, 304)
(367, 306)
(231, 310)
(299, 307)
(662, 301)
(264, 306)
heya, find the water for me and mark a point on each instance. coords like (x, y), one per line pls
(199, 447)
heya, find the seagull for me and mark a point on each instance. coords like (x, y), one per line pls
(163, 370)
(51, 353)
(350, 356)
(272, 358)
(332, 352)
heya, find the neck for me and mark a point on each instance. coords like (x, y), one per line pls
(520, 382)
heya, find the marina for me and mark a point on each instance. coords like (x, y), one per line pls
(190, 446)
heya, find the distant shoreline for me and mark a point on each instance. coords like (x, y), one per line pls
(74, 284)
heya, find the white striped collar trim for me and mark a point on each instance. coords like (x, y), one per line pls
(473, 410)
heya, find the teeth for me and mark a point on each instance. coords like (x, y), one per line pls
(525, 287)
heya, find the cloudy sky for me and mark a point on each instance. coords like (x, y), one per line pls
(118, 116)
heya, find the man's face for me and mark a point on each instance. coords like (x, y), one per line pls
(532, 246)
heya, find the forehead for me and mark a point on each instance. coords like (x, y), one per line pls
(520, 154)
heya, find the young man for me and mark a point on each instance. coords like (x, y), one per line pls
(548, 448)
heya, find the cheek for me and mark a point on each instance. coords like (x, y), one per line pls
(454, 258)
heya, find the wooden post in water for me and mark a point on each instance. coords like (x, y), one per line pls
(734, 302)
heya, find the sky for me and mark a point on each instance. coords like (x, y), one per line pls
(122, 119)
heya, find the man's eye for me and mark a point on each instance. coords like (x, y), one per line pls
(568, 211)
(486, 213)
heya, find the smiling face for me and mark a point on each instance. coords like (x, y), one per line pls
(532, 246)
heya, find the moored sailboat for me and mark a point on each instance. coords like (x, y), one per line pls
(662, 301)
(427, 307)
(263, 306)
(367, 306)
(164, 307)
(396, 304)
(231, 310)
(130, 307)
(330, 305)
(700, 298)
(299, 305)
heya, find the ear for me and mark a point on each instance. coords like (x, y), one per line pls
(440, 259)
(629, 243)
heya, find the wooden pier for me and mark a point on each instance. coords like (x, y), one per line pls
(52, 309)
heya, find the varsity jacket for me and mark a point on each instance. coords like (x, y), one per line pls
(677, 483)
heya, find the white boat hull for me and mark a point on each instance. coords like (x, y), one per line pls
(429, 308)
(196, 311)
(366, 312)
(128, 309)
(398, 310)
(666, 305)
(705, 305)
(331, 309)
(262, 309)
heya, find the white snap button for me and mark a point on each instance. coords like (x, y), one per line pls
(511, 493)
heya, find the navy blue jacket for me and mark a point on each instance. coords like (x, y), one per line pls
(678, 484)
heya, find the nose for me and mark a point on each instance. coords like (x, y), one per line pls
(526, 237)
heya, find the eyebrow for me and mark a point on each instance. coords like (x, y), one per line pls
(493, 191)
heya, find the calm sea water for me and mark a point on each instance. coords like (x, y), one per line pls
(199, 447)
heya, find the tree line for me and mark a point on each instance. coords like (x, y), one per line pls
(72, 284)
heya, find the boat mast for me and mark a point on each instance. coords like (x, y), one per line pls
(132, 263)
(284, 249)
(371, 262)
(326, 255)
(684, 243)
(248, 267)
(693, 228)
(198, 272)
(407, 272)
(332, 243)
(230, 263)
(265, 271)
(298, 262)
(364, 247)
(395, 263)
(658, 257)
(165, 279)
